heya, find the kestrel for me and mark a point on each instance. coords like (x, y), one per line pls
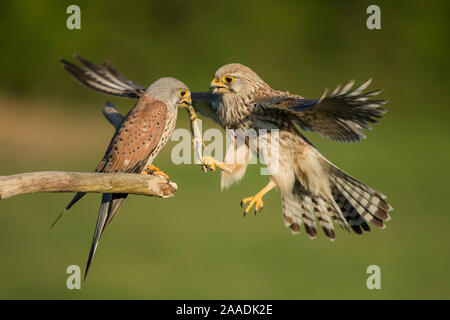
(142, 134)
(311, 187)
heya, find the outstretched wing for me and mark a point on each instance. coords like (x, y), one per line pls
(104, 79)
(206, 104)
(341, 116)
(109, 81)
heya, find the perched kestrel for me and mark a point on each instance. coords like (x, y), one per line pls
(311, 187)
(142, 134)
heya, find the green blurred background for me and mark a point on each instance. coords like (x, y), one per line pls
(197, 245)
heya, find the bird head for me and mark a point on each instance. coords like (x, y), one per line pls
(171, 91)
(237, 79)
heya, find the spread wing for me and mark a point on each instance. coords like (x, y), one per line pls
(108, 80)
(136, 138)
(341, 116)
(104, 79)
(206, 104)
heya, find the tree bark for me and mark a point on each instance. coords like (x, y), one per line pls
(58, 181)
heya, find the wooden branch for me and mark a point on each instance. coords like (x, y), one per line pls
(58, 181)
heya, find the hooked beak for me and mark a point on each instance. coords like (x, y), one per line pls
(216, 86)
(187, 101)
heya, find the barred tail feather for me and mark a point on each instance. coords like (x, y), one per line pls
(351, 216)
(300, 208)
(373, 203)
(291, 207)
(360, 209)
(104, 79)
(323, 211)
(308, 217)
(358, 202)
(349, 203)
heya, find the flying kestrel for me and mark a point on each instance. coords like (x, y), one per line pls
(311, 187)
(142, 134)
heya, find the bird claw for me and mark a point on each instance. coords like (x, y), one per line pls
(203, 165)
(255, 200)
(155, 171)
(210, 163)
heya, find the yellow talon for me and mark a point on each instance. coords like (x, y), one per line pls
(153, 170)
(210, 162)
(255, 200)
(162, 174)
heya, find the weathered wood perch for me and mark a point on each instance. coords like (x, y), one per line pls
(58, 181)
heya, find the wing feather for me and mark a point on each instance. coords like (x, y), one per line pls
(137, 136)
(341, 115)
(104, 79)
(206, 104)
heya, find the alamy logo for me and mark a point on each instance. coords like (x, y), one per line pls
(241, 147)
(74, 20)
(374, 281)
(374, 20)
(74, 280)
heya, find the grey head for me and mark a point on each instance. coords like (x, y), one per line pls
(171, 91)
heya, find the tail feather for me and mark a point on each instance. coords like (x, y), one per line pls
(308, 217)
(337, 214)
(360, 209)
(117, 200)
(323, 211)
(350, 214)
(349, 203)
(358, 202)
(353, 218)
(291, 213)
(99, 227)
(377, 206)
(336, 172)
(301, 208)
(109, 207)
(74, 200)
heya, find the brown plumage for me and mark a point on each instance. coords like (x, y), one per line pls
(140, 137)
(313, 190)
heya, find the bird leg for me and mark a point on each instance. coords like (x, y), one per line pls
(257, 198)
(152, 170)
(212, 163)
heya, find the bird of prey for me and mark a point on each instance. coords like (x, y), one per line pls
(311, 187)
(142, 134)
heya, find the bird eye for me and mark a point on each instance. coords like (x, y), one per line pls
(228, 79)
(182, 93)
